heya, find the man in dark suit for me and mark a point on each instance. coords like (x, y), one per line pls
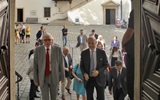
(68, 70)
(94, 34)
(117, 80)
(93, 65)
(40, 34)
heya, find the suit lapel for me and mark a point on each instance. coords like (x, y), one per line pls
(79, 38)
(116, 75)
(88, 57)
(43, 58)
(97, 56)
(53, 52)
(69, 59)
(44, 54)
(122, 73)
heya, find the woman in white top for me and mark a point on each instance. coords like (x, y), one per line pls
(101, 41)
(115, 55)
(30, 73)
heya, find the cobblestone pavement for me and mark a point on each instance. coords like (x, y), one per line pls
(22, 50)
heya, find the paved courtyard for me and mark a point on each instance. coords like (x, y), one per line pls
(22, 50)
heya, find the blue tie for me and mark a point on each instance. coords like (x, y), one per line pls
(91, 63)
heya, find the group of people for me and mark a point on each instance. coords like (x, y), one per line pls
(20, 32)
(50, 66)
(123, 78)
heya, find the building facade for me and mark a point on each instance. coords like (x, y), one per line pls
(85, 12)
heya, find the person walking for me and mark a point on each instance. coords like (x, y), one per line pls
(78, 85)
(114, 55)
(101, 42)
(68, 71)
(48, 67)
(28, 32)
(128, 47)
(82, 41)
(30, 73)
(40, 34)
(22, 32)
(117, 80)
(17, 37)
(94, 34)
(64, 34)
(115, 43)
(93, 65)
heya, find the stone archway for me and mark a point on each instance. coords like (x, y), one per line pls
(110, 8)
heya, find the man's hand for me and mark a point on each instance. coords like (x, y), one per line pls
(62, 81)
(71, 67)
(86, 77)
(110, 92)
(36, 84)
(123, 49)
(95, 73)
(66, 69)
(126, 97)
(65, 33)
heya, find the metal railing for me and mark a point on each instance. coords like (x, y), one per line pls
(19, 78)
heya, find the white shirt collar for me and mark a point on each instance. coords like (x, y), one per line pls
(93, 50)
(120, 70)
(49, 47)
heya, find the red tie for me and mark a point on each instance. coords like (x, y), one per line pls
(47, 64)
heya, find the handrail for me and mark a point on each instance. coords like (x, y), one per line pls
(72, 7)
(19, 77)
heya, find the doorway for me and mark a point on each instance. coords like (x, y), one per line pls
(150, 49)
(110, 16)
(19, 15)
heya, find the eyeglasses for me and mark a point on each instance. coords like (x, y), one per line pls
(47, 40)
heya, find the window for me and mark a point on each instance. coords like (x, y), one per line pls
(47, 12)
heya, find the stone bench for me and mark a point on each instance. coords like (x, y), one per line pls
(32, 20)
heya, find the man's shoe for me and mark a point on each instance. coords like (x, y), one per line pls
(63, 97)
(68, 90)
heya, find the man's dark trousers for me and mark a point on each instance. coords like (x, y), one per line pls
(32, 92)
(90, 89)
(119, 95)
(130, 76)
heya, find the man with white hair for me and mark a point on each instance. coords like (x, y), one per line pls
(68, 71)
(101, 41)
(48, 67)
